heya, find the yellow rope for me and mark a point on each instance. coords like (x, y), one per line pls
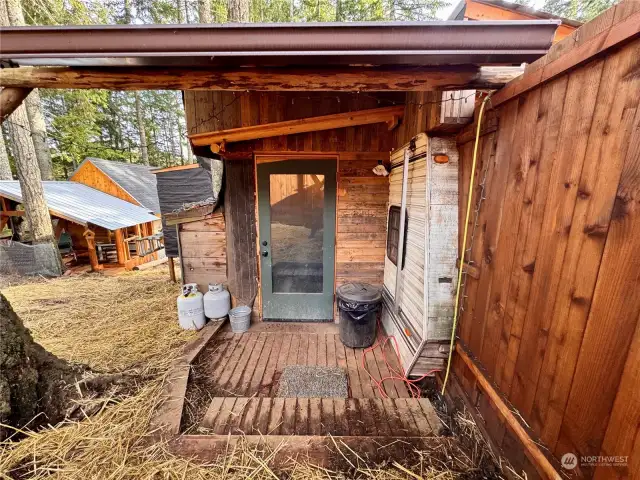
(464, 244)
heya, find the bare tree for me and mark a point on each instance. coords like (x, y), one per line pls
(238, 10)
(33, 104)
(204, 11)
(5, 168)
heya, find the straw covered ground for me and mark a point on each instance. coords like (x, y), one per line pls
(128, 324)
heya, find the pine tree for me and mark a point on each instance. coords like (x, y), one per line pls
(33, 104)
(204, 11)
(5, 167)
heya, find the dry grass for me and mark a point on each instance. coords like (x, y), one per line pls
(129, 324)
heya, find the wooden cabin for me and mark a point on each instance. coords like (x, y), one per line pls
(505, 10)
(105, 231)
(322, 140)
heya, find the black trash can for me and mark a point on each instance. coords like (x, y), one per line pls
(358, 304)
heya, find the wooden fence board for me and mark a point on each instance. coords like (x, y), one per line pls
(569, 157)
(592, 213)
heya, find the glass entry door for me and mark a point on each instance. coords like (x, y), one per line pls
(297, 213)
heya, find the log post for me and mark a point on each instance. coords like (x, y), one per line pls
(172, 270)
(10, 99)
(120, 247)
(91, 245)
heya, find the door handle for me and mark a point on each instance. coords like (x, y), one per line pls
(265, 253)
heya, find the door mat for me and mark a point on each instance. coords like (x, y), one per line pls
(313, 381)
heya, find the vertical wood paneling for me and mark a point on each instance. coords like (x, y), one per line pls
(555, 308)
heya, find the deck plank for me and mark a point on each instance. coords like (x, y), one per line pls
(261, 424)
(397, 423)
(267, 380)
(286, 349)
(253, 360)
(251, 417)
(341, 417)
(210, 416)
(289, 417)
(374, 371)
(395, 369)
(234, 424)
(222, 362)
(224, 416)
(430, 414)
(378, 417)
(424, 427)
(322, 350)
(332, 353)
(367, 417)
(315, 417)
(255, 383)
(276, 416)
(302, 416)
(232, 363)
(388, 385)
(354, 422)
(328, 416)
(312, 352)
(407, 417)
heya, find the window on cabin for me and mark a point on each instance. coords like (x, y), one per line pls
(393, 235)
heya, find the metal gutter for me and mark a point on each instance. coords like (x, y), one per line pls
(413, 42)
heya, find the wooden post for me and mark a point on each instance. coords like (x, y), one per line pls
(172, 270)
(120, 247)
(91, 245)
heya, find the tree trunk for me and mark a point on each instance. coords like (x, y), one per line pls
(144, 152)
(204, 11)
(32, 380)
(39, 389)
(39, 134)
(33, 104)
(5, 168)
(179, 11)
(35, 206)
(238, 11)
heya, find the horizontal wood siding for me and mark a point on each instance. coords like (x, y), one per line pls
(203, 251)
(554, 316)
(362, 196)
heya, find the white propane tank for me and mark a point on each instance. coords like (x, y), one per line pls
(217, 301)
(191, 308)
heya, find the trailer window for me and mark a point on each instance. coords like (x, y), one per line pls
(393, 235)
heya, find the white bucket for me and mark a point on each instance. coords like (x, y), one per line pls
(240, 318)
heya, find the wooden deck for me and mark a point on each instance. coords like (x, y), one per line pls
(242, 376)
(250, 364)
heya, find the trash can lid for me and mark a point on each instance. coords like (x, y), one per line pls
(359, 292)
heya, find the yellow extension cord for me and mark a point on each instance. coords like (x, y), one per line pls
(464, 244)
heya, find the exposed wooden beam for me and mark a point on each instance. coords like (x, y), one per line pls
(11, 98)
(274, 79)
(290, 127)
(12, 213)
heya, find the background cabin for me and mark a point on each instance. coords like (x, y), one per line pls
(104, 230)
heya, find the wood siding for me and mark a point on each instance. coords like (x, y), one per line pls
(362, 196)
(554, 315)
(92, 176)
(203, 251)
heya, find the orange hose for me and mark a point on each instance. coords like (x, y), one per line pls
(381, 343)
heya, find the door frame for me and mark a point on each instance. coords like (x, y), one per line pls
(277, 156)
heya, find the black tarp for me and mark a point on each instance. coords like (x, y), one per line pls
(177, 188)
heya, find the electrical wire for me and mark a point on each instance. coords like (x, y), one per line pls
(464, 244)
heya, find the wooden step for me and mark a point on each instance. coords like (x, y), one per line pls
(389, 417)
